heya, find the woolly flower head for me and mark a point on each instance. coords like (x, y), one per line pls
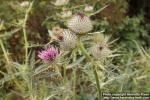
(100, 51)
(67, 39)
(48, 54)
(80, 23)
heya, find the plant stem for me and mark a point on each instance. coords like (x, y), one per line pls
(83, 50)
(25, 32)
(26, 44)
(6, 56)
(64, 72)
(64, 79)
(74, 87)
(4, 51)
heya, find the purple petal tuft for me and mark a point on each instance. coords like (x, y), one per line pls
(48, 54)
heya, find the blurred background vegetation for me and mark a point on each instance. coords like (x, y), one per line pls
(126, 20)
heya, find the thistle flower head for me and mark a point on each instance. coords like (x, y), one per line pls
(67, 39)
(80, 23)
(48, 54)
(100, 51)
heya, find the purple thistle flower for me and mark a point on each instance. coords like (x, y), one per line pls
(48, 54)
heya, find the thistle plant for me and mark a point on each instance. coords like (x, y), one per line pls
(64, 53)
(54, 61)
(71, 39)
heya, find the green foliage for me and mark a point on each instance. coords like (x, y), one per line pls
(134, 29)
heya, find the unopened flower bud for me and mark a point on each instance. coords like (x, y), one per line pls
(100, 51)
(80, 23)
(67, 39)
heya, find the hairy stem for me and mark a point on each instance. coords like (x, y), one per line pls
(74, 85)
(4, 51)
(25, 32)
(84, 51)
